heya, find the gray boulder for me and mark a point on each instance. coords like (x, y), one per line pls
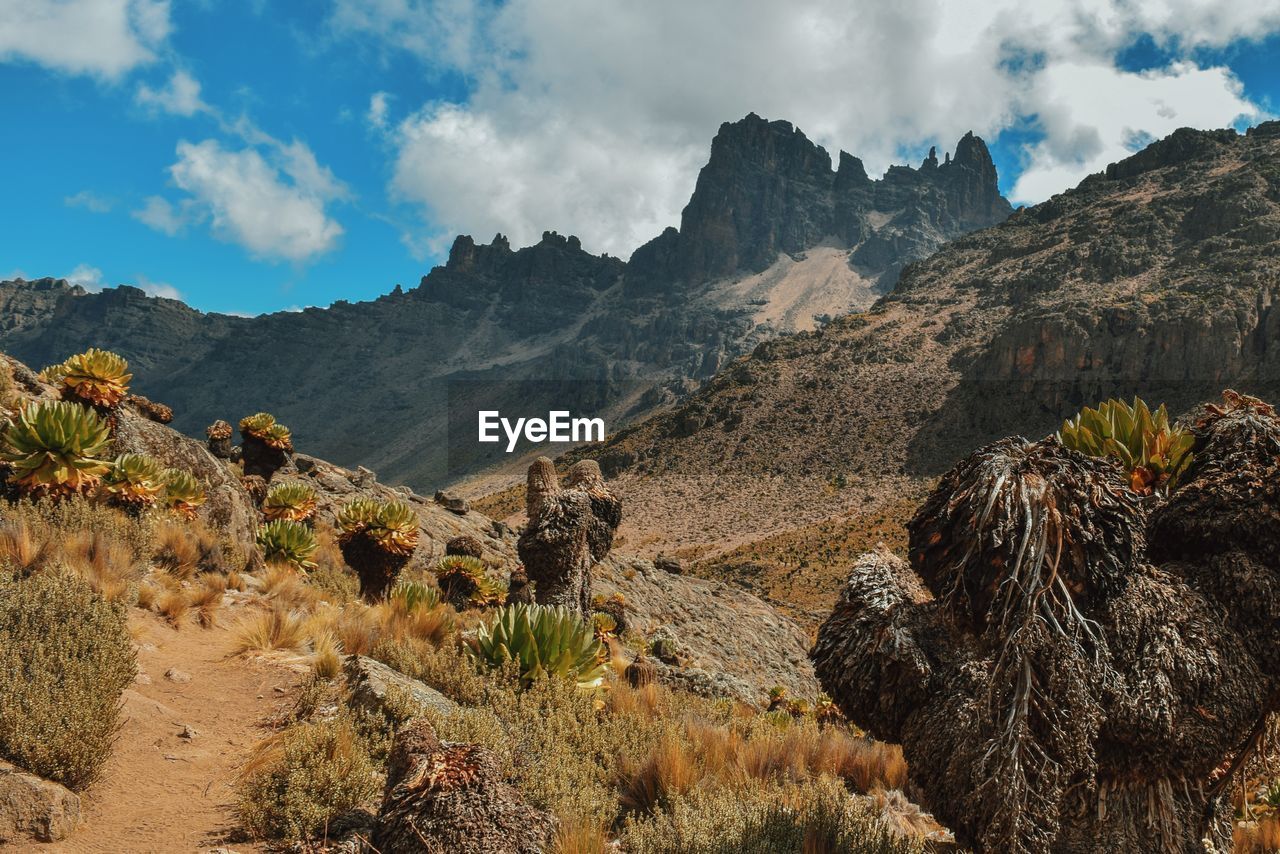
(32, 808)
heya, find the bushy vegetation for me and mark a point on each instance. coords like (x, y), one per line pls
(65, 659)
(55, 448)
(756, 817)
(1153, 451)
(299, 780)
(542, 641)
(287, 544)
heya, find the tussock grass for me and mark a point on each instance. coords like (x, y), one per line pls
(276, 628)
(326, 659)
(65, 658)
(206, 598)
(22, 550)
(174, 605)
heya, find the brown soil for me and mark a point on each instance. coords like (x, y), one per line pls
(162, 792)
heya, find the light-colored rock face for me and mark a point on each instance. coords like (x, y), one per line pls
(371, 682)
(34, 809)
(722, 629)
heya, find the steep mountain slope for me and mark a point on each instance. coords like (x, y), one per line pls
(1157, 277)
(774, 240)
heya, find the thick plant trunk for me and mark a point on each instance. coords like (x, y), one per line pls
(569, 530)
(1052, 689)
(377, 569)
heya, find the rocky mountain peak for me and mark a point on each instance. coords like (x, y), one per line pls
(767, 190)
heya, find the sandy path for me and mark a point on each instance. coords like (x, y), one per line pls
(163, 792)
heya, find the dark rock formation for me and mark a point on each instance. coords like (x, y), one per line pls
(1056, 684)
(768, 189)
(451, 797)
(569, 531)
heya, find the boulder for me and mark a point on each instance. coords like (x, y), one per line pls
(453, 502)
(32, 808)
(369, 683)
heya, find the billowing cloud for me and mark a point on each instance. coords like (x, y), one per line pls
(275, 208)
(103, 38)
(1093, 115)
(180, 96)
(602, 135)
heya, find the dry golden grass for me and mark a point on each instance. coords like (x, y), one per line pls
(1261, 837)
(326, 659)
(235, 581)
(582, 837)
(206, 598)
(648, 783)
(148, 593)
(276, 628)
(22, 549)
(105, 561)
(177, 550)
(173, 604)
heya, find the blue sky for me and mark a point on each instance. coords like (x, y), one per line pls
(251, 156)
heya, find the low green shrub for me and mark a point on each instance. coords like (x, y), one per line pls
(758, 818)
(65, 659)
(302, 778)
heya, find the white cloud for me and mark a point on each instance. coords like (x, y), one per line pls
(90, 201)
(104, 38)
(157, 289)
(162, 215)
(86, 276)
(602, 134)
(1094, 115)
(276, 209)
(377, 114)
(180, 96)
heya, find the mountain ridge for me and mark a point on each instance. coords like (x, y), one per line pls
(523, 329)
(1156, 277)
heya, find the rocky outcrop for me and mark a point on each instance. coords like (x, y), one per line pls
(33, 809)
(373, 686)
(442, 796)
(768, 190)
(720, 628)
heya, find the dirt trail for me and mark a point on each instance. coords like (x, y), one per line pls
(162, 791)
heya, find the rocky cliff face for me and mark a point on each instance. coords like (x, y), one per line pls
(772, 239)
(768, 190)
(1158, 277)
